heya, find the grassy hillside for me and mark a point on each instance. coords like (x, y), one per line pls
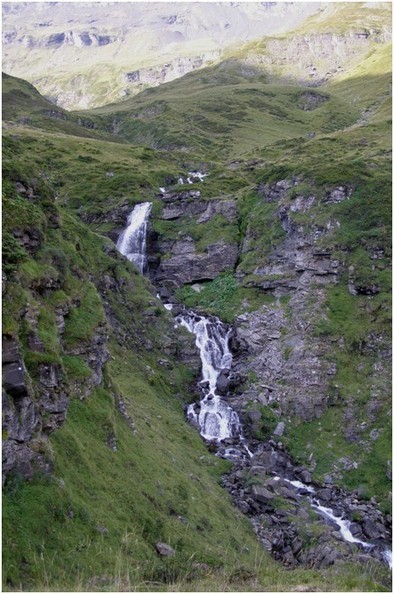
(220, 111)
(118, 484)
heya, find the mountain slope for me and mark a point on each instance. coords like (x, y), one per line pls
(98, 53)
(288, 238)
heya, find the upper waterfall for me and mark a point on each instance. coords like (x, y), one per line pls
(132, 242)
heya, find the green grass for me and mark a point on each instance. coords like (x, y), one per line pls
(232, 115)
(223, 297)
(99, 532)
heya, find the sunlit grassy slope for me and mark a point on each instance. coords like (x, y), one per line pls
(219, 111)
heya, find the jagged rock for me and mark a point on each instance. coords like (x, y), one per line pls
(35, 343)
(187, 204)
(324, 494)
(14, 372)
(29, 238)
(14, 378)
(223, 382)
(187, 266)
(296, 546)
(320, 557)
(19, 418)
(243, 506)
(261, 494)
(338, 194)
(355, 529)
(373, 529)
(18, 457)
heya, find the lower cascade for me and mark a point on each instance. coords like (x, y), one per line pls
(132, 242)
(215, 419)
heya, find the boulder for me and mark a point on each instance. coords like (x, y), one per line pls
(305, 477)
(373, 529)
(223, 382)
(279, 429)
(324, 494)
(261, 494)
(164, 549)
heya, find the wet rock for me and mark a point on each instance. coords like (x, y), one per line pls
(223, 382)
(373, 529)
(355, 529)
(50, 375)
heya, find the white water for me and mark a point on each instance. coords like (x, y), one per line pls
(216, 420)
(132, 242)
(196, 175)
(342, 523)
(388, 557)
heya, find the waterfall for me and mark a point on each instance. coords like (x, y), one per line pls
(132, 242)
(216, 420)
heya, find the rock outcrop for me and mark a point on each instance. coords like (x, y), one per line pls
(180, 261)
(185, 265)
(31, 410)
